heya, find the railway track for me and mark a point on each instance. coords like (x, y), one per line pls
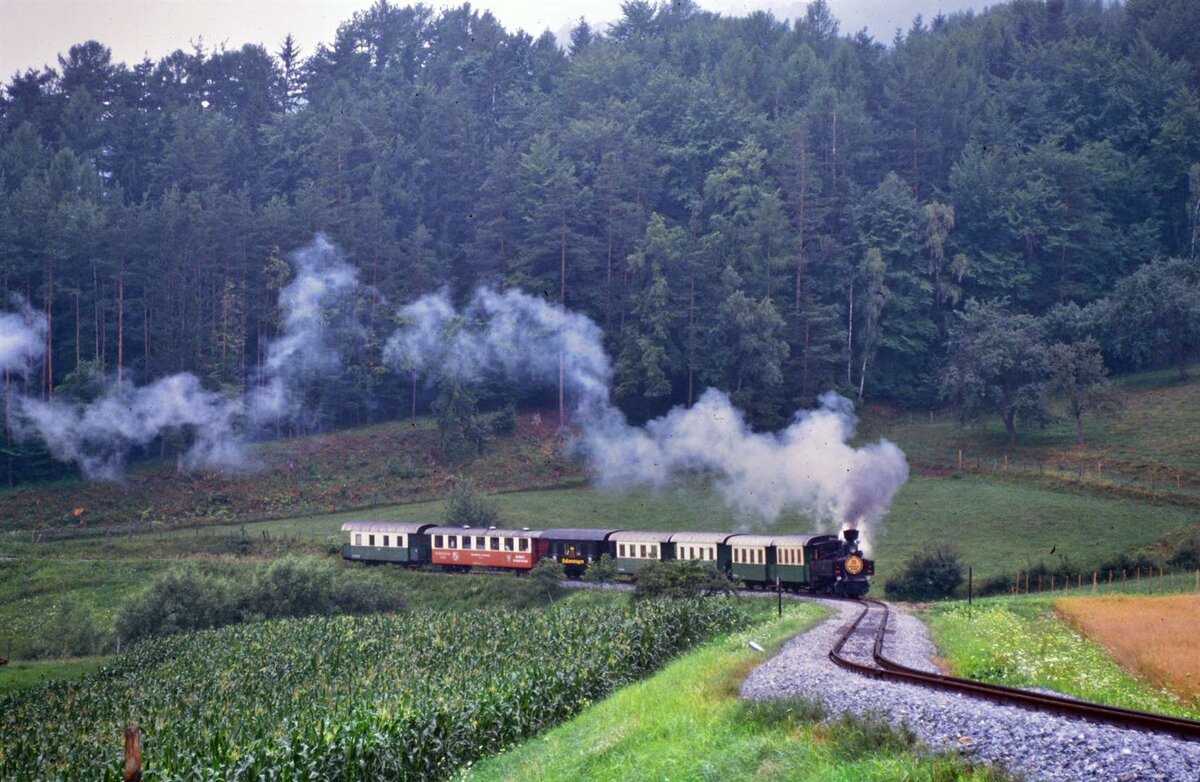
(861, 649)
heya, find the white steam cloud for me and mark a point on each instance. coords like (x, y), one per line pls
(98, 436)
(22, 338)
(808, 466)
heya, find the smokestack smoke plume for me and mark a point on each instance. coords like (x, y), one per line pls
(22, 338)
(98, 436)
(808, 466)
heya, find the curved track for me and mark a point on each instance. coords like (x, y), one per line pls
(860, 649)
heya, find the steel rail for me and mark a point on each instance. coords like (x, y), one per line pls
(884, 668)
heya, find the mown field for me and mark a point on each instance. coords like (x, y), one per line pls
(408, 696)
(1153, 636)
(1024, 642)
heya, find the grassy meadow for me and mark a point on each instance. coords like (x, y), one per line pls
(1024, 642)
(999, 527)
(1153, 443)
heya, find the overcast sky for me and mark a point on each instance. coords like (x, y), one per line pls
(34, 32)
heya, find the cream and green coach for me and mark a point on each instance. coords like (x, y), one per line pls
(634, 549)
(760, 559)
(400, 542)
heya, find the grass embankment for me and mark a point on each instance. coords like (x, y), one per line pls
(1155, 637)
(1022, 642)
(382, 464)
(687, 723)
(1153, 446)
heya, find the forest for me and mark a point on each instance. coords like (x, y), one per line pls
(990, 208)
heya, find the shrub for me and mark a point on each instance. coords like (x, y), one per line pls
(548, 573)
(181, 599)
(680, 579)
(186, 599)
(602, 570)
(505, 420)
(467, 507)
(929, 575)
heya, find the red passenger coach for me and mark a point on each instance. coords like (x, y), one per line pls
(467, 547)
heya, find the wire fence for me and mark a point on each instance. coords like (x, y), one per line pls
(1155, 481)
(1135, 581)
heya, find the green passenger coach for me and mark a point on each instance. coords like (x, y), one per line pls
(399, 542)
(635, 549)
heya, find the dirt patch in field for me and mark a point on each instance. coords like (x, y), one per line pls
(1153, 636)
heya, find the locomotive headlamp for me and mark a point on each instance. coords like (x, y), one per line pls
(854, 565)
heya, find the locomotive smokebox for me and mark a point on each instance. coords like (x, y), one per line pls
(851, 535)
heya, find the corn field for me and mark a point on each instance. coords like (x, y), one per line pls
(407, 696)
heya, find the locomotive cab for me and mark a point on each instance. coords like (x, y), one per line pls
(839, 567)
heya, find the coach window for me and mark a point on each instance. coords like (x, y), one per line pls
(358, 538)
(452, 541)
(479, 544)
(642, 551)
(370, 540)
(523, 544)
(437, 541)
(760, 554)
(402, 541)
(621, 550)
(494, 544)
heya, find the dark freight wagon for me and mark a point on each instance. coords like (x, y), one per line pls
(577, 549)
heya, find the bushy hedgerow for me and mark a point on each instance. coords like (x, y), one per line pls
(929, 575)
(186, 599)
(680, 579)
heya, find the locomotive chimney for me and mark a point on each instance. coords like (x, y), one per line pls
(851, 535)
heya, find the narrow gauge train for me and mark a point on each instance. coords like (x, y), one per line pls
(816, 563)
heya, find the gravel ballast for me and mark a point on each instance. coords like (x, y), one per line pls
(1039, 745)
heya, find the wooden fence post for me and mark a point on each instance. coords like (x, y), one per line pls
(133, 753)
(1093, 582)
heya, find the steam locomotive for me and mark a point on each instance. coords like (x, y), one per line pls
(825, 564)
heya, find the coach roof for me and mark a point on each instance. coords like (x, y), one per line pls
(759, 541)
(394, 527)
(485, 532)
(569, 533)
(703, 538)
(641, 536)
